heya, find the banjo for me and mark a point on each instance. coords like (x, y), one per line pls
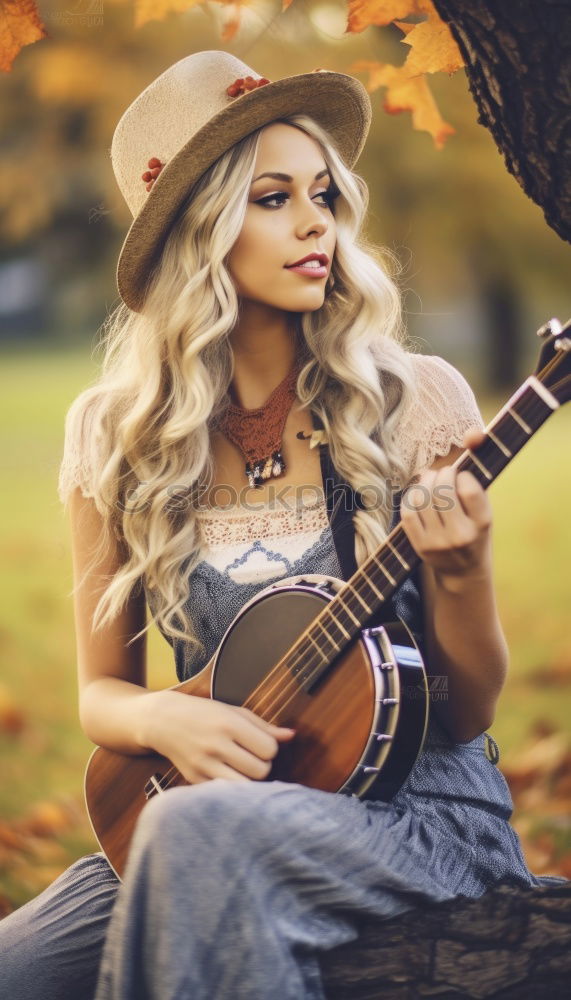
(356, 692)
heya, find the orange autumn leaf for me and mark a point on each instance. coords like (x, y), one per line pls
(432, 50)
(433, 47)
(20, 25)
(407, 94)
(363, 13)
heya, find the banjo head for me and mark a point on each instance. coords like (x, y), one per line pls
(347, 721)
(266, 627)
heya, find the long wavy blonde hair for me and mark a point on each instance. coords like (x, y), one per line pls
(137, 440)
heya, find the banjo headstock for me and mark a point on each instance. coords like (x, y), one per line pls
(554, 364)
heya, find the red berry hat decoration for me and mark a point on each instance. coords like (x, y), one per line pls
(151, 175)
(244, 83)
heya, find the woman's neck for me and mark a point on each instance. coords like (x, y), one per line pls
(264, 353)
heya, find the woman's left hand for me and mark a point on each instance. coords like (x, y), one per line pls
(448, 518)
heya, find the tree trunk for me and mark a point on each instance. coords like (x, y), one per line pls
(518, 63)
(510, 944)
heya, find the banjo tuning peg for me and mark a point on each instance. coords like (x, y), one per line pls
(552, 327)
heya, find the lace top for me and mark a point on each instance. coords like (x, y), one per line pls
(443, 409)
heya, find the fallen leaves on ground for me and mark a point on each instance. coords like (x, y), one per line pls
(12, 716)
(31, 855)
(539, 777)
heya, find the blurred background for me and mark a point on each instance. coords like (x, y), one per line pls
(481, 271)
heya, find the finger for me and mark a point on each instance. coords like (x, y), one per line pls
(218, 769)
(441, 499)
(245, 762)
(259, 740)
(473, 499)
(446, 502)
(415, 500)
(278, 732)
(411, 514)
(473, 438)
(440, 502)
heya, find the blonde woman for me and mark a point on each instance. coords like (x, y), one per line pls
(256, 324)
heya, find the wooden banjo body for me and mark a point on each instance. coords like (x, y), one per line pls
(359, 728)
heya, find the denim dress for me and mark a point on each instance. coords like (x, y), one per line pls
(455, 791)
(232, 889)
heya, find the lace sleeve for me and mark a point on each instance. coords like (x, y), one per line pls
(79, 440)
(443, 410)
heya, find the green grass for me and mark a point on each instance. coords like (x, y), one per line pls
(46, 760)
(532, 547)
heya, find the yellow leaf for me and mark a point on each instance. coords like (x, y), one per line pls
(363, 13)
(20, 25)
(433, 48)
(405, 26)
(406, 94)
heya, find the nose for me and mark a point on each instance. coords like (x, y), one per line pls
(311, 221)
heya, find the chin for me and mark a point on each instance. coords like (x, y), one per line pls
(305, 303)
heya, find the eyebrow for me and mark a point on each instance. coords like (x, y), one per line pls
(287, 178)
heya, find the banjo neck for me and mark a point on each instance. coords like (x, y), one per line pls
(383, 572)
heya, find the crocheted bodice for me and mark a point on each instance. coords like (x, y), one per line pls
(243, 552)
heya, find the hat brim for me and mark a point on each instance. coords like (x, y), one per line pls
(336, 101)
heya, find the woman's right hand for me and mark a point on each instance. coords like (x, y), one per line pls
(207, 739)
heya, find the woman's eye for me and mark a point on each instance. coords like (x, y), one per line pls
(329, 197)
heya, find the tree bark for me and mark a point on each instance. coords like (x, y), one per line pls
(518, 63)
(509, 944)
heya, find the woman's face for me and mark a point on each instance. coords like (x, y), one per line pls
(287, 218)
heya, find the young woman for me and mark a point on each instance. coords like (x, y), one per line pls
(193, 482)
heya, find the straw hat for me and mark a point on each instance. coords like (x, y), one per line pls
(189, 116)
